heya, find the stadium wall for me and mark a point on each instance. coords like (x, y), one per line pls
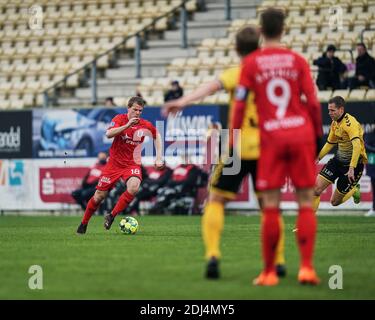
(44, 153)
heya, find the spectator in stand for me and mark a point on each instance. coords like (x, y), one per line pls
(174, 92)
(109, 102)
(364, 69)
(89, 182)
(330, 70)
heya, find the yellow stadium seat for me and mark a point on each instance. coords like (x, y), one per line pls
(28, 99)
(223, 98)
(324, 96)
(357, 95)
(370, 95)
(210, 99)
(342, 93)
(357, 7)
(73, 81)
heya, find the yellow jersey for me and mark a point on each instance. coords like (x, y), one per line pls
(250, 138)
(343, 133)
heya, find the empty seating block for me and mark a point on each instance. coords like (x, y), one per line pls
(73, 34)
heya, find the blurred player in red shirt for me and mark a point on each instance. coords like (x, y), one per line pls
(289, 130)
(89, 182)
(128, 131)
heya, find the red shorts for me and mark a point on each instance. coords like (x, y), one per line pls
(296, 161)
(111, 174)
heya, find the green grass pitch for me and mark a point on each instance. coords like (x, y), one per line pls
(164, 260)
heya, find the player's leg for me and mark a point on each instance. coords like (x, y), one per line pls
(347, 189)
(280, 249)
(321, 184)
(92, 206)
(222, 188)
(270, 178)
(132, 186)
(306, 233)
(302, 174)
(326, 177)
(110, 175)
(270, 234)
(143, 194)
(212, 227)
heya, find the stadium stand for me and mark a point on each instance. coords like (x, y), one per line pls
(74, 32)
(308, 31)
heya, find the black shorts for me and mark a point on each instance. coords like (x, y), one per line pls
(334, 169)
(228, 185)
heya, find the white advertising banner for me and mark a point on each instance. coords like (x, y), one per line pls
(41, 184)
(16, 184)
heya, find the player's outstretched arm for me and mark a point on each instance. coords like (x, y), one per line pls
(326, 148)
(204, 90)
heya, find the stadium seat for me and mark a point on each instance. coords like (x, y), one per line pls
(357, 95)
(370, 95)
(324, 96)
(342, 92)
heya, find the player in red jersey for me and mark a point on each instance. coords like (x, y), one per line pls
(290, 125)
(128, 131)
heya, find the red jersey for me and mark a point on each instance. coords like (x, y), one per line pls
(279, 77)
(126, 147)
(181, 172)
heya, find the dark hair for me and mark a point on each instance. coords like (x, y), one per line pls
(136, 100)
(247, 40)
(272, 22)
(338, 101)
(362, 45)
(331, 47)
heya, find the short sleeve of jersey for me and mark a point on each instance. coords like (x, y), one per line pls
(115, 122)
(229, 78)
(351, 128)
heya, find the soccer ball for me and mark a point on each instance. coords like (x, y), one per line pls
(128, 225)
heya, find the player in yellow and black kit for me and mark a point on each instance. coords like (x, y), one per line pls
(347, 165)
(224, 187)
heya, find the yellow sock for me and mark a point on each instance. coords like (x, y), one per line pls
(280, 249)
(316, 203)
(212, 226)
(348, 195)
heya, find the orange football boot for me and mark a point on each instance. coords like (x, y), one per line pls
(266, 279)
(308, 276)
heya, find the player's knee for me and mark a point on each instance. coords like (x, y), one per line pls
(318, 191)
(213, 197)
(99, 196)
(335, 202)
(133, 188)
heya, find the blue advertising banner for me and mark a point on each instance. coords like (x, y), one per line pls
(71, 132)
(81, 132)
